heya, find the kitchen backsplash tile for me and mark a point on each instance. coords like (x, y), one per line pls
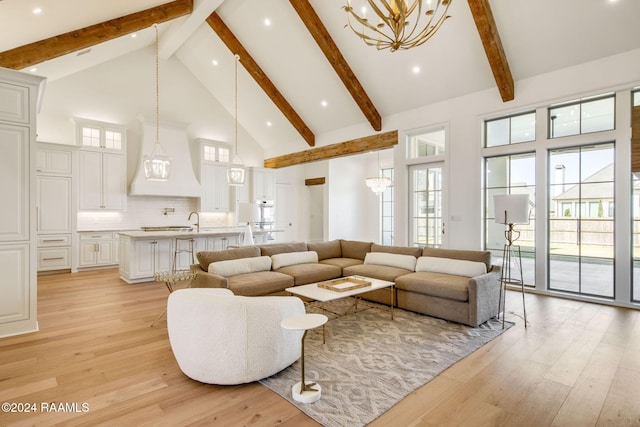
(144, 211)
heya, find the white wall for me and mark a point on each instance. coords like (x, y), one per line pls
(464, 117)
(120, 90)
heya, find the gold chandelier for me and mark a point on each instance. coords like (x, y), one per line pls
(399, 22)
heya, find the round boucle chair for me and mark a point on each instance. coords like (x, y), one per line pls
(221, 338)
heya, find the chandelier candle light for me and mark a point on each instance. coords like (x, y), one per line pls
(157, 165)
(399, 25)
(379, 183)
(236, 170)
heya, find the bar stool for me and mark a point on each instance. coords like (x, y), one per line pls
(188, 247)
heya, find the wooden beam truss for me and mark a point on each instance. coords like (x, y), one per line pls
(355, 146)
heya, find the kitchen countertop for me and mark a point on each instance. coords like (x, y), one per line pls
(209, 231)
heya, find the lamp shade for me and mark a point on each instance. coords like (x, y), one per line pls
(248, 213)
(511, 208)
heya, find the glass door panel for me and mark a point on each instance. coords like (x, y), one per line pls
(426, 205)
(581, 220)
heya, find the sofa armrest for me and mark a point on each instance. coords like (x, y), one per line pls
(204, 279)
(484, 292)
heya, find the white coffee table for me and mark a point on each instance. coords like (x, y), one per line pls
(315, 293)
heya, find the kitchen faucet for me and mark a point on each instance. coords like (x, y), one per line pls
(197, 224)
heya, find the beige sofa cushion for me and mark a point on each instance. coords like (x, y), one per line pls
(260, 283)
(459, 267)
(408, 262)
(354, 249)
(416, 252)
(293, 258)
(326, 250)
(233, 267)
(481, 256)
(382, 272)
(341, 262)
(439, 285)
(311, 273)
(279, 248)
(207, 257)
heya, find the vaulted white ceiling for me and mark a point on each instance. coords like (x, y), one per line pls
(538, 37)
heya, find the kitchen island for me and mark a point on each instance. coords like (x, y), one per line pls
(144, 253)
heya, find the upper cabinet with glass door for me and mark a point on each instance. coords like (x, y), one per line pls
(95, 135)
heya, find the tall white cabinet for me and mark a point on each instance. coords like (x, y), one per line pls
(214, 160)
(19, 94)
(55, 201)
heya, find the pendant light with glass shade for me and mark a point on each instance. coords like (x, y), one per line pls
(379, 183)
(157, 165)
(236, 170)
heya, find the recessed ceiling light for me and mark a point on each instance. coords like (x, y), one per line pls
(267, 22)
(416, 69)
(215, 62)
(269, 124)
(134, 35)
(324, 103)
(33, 70)
(37, 11)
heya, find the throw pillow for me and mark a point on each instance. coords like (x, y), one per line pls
(293, 258)
(458, 267)
(240, 266)
(408, 262)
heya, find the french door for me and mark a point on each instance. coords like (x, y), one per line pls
(426, 210)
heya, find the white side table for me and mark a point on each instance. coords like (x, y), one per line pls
(305, 391)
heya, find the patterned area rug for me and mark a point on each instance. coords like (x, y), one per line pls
(370, 362)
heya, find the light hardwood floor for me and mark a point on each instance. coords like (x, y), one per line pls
(577, 364)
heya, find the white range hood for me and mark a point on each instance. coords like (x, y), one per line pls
(182, 181)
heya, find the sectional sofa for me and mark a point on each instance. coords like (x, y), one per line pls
(457, 285)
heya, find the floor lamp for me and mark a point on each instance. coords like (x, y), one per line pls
(511, 209)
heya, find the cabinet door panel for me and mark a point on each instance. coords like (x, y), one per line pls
(105, 253)
(14, 283)
(14, 103)
(54, 204)
(14, 176)
(90, 181)
(114, 181)
(88, 254)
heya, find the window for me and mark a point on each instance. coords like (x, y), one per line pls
(213, 151)
(427, 144)
(581, 246)
(512, 174)
(386, 202)
(583, 116)
(426, 188)
(510, 130)
(100, 135)
(635, 207)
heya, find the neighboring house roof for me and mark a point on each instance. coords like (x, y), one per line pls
(597, 186)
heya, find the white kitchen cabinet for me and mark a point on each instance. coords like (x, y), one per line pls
(53, 204)
(263, 184)
(97, 249)
(15, 177)
(142, 258)
(53, 161)
(102, 181)
(55, 201)
(214, 160)
(18, 237)
(215, 190)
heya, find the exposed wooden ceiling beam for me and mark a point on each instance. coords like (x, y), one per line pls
(53, 47)
(322, 37)
(482, 15)
(355, 146)
(234, 45)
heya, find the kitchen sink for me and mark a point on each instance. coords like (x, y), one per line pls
(168, 228)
